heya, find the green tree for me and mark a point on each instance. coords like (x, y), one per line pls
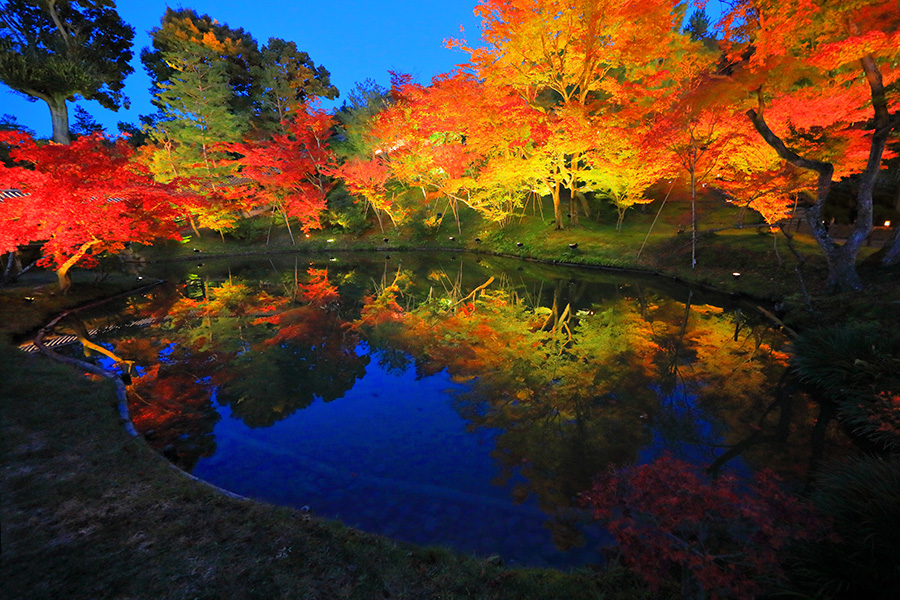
(365, 100)
(196, 118)
(85, 123)
(698, 26)
(55, 50)
(183, 30)
(288, 78)
(265, 83)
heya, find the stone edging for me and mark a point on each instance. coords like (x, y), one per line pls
(121, 391)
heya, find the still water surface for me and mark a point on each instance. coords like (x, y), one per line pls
(447, 399)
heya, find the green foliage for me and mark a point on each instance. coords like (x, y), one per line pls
(698, 26)
(345, 211)
(184, 29)
(195, 101)
(196, 118)
(288, 77)
(355, 116)
(10, 122)
(85, 124)
(53, 51)
(251, 229)
(264, 84)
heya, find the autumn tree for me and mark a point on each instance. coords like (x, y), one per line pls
(196, 118)
(626, 166)
(55, 50)
(287, 171)
(598, 55)
(368, 179)
(81, 200)
(819, 71)
(482, 152)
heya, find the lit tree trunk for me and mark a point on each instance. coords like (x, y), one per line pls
(693, 169)
(557, 206)
(62, 273)
(842, 275)
(287, 223)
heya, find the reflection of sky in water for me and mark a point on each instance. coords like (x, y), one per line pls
(410, 421)
(392, 456)
(682, 429)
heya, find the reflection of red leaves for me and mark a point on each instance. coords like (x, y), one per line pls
(168, 403)
(381, 309)
(318, 291)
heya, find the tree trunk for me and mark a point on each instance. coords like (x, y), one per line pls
(9, 263)
(842, 275)
(573, 209)
(59, 115)
(584, 204)
(557, 206)
(287, 224)
(62, 273)
(892, 256)
(693, 204)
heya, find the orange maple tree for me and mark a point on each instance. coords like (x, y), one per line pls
(608, 61)
(818, 74)
(474, 152)
(367, 178)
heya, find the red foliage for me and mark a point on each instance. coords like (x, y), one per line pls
(287, 169)
(726, 536)
(81, 199)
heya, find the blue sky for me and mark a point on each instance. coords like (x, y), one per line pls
(353, 39)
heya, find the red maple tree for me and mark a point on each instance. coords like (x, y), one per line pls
(286, 171)
(81, 200)
(727, 537)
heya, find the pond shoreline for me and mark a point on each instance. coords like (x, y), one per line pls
(107, 517)
(437, 249)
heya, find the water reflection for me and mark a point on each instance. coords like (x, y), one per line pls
(407, 396)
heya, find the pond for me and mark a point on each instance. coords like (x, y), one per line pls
(449, 400)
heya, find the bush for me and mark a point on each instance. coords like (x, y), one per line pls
(856, 368)
(719, 538)
(862, 498)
